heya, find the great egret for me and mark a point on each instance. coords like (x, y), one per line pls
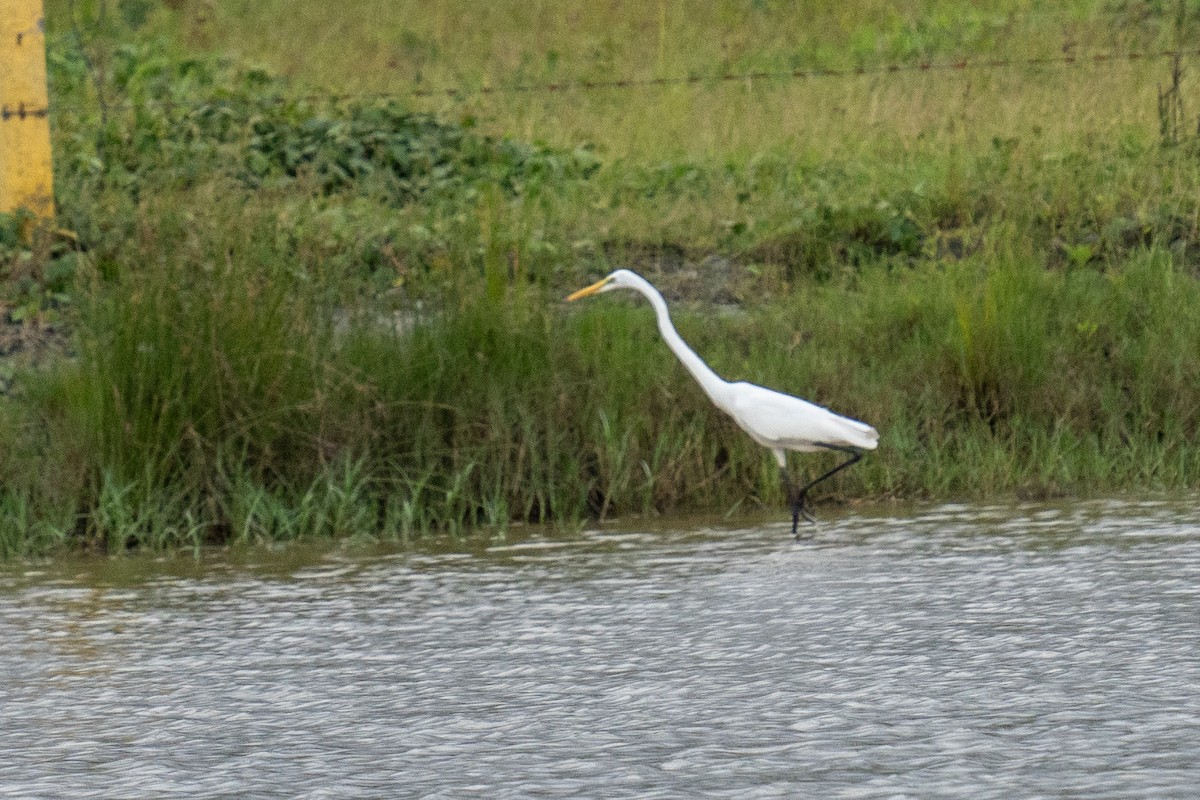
(777, 421)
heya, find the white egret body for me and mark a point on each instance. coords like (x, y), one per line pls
(777, 421)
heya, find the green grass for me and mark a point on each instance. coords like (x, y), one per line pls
(296, 317)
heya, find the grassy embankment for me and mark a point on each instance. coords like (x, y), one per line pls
(996, 267)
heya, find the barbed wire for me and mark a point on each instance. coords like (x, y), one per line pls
(816, 73)
(819, 72)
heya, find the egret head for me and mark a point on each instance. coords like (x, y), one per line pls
(620, 279)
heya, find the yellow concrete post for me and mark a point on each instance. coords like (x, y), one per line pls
(26, 179)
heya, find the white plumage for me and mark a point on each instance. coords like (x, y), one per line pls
(777, 421)
(782, 422)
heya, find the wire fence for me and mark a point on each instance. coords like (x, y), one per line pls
(801, 74)
(617, 84)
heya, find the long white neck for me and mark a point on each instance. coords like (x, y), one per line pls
(711, 382)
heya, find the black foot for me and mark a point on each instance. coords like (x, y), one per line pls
(798, 495)
(799, 510)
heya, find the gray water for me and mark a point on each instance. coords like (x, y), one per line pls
(973, 652)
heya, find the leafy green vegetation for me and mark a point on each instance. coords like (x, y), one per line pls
(285, 307)
(178, 121)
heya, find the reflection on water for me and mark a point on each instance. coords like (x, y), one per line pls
(953, 652)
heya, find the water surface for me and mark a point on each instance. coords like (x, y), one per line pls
(955, 651)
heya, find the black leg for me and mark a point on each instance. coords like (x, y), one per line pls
(798, 497)
(795, 497)
(792, 492)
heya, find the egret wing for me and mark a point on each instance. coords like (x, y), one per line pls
(775, 419)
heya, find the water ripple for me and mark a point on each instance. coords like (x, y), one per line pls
(956, 651)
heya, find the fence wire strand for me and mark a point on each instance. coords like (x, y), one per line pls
(818, 73)
(799, 74)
